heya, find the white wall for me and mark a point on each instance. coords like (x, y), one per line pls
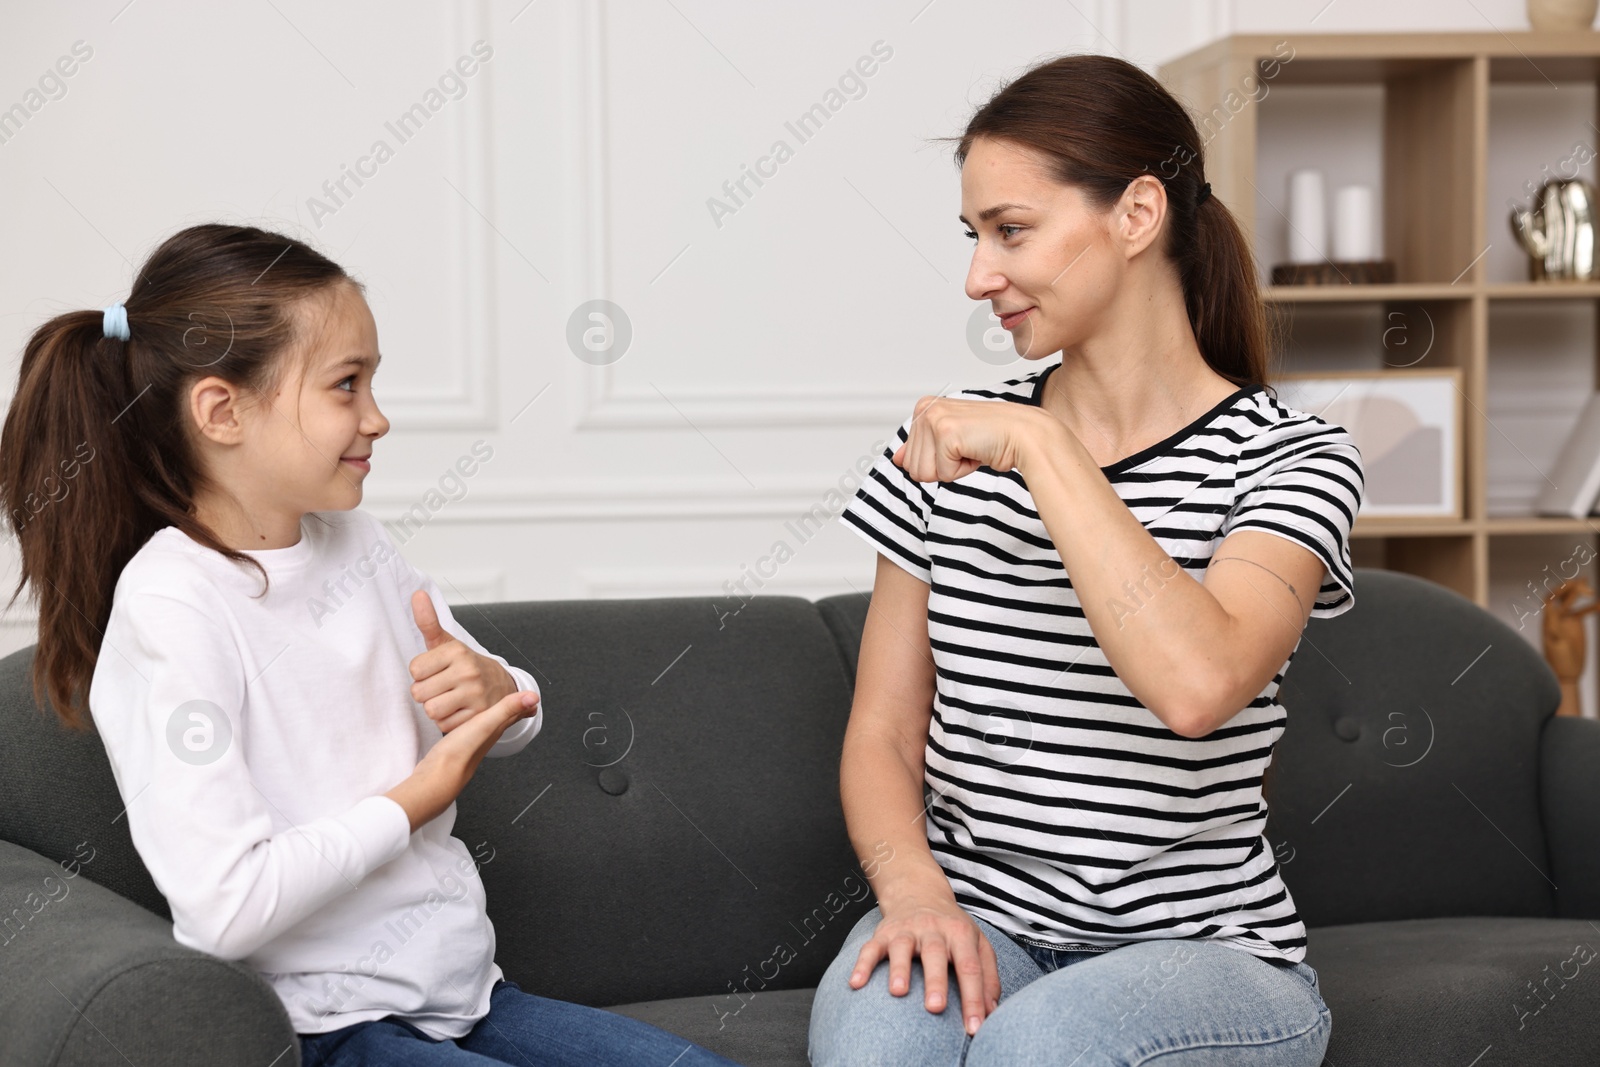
(771, 347)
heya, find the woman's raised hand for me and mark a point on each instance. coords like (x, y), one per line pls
(949, 439)
(942, 935)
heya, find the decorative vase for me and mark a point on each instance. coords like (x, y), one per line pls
(1562, 16)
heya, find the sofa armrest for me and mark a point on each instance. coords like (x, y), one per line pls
(88, 977)
(1569, 801)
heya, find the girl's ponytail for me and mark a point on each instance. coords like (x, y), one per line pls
(97, 452)
(64, 481)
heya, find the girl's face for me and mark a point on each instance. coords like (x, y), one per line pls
(316, 430)
(1048, 265)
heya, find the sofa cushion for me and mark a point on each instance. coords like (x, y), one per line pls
(846, 617)
(1569, 796)
(1448, 990)
(675, 829)
(767, 1029)
(87, 977)
(57, 791)
(1406, 783)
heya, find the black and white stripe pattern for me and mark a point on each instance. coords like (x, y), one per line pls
(1062, 810)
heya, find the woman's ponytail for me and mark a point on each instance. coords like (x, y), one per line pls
(1226, 312)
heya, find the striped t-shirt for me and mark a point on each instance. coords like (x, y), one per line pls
(1061, 809)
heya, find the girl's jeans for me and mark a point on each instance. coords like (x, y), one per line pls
(1178, 1003)
(520, 1028)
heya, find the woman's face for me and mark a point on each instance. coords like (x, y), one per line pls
(1045, 262)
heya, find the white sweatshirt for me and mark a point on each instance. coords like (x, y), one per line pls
(252, 740)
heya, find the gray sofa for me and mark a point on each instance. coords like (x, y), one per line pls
(672, 842)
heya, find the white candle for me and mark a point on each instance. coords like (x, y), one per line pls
(1308, 223)
(1352, 224)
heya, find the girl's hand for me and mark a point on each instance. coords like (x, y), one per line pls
(447, 767)
(950, 439)
(451, 681)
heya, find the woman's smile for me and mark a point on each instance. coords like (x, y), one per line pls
(1011, 319)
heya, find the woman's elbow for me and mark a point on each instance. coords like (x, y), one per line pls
(1191, 725)
(1203, 705)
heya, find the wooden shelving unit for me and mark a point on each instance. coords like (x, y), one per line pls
(1436, 225)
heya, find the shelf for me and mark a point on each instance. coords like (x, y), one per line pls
(1451, 130)
(1540, 524)
(1543, 290)
(1381, 527)
(1361, 294)
(1494, 525)
(1358, 58)
(1376, 294)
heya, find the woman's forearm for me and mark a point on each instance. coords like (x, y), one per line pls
(882, 797)
(881, 768)
(1163, 633)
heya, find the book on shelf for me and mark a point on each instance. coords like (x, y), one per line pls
(1573, 485)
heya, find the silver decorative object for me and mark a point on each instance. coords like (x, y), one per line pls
(1558, 231)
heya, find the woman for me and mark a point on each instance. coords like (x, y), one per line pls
(1091, 579)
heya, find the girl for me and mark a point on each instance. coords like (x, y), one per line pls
(1091, 579)
(289, 754)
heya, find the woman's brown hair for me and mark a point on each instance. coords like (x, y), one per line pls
(97, 452)
(1102, 122)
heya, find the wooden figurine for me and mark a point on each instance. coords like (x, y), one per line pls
(1564, 641)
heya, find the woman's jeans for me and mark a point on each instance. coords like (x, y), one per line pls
(1179, 1003)
(520, 1028)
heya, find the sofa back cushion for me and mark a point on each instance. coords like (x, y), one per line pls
(57, 794)
(675, 829)
(1406, 781)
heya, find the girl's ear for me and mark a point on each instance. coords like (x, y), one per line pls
(215, 408)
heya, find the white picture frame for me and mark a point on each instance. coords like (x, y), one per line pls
(1407, 424)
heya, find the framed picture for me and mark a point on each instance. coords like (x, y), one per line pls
(1407, 424)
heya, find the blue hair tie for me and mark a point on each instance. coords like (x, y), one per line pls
(115, 322)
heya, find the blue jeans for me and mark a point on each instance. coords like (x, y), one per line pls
(520, 1028)
(1184, 1003)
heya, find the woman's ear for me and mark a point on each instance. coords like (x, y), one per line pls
(1139, 214)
